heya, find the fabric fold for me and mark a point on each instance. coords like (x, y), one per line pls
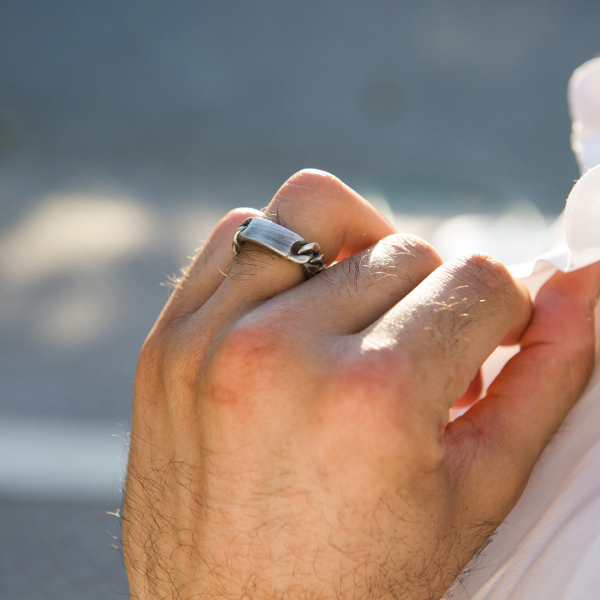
(578, 244)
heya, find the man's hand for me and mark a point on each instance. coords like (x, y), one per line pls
(290, 438)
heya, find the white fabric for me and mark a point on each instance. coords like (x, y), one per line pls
(578, 245)
(584, 100)
(549, 546)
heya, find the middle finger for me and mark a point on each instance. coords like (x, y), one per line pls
(357, 291)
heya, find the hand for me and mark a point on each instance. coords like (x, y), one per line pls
(290, 438)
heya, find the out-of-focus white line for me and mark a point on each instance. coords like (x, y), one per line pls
(61, 460)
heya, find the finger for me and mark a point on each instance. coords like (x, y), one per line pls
(444, 330)
(525, 405)
(208, 269)
(319, 208)
(356, 291)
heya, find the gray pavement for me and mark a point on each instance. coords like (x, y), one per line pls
(128, 128)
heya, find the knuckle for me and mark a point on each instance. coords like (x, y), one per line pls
(402, 256)
(171, 358)
(403, 245)
(251, 355)
(308, 185)
(371, 376)
(313, 179)
(487, 273)
(251, 339)
(375, 396)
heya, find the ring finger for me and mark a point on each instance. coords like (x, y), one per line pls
(319, 208)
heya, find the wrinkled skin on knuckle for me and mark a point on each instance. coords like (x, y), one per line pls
(402, 244)
(405, 256)
(308, 195)
(408, 257)
(312, 184)
(481, 288)
(489, 279)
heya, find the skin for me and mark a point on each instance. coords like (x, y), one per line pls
(291, 439)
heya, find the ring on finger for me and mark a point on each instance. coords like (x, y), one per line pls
(281, 241)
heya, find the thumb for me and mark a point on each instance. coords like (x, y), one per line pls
(506, 432)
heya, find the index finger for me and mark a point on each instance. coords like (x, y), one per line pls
(443, 331)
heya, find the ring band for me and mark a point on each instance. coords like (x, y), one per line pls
(281, 241)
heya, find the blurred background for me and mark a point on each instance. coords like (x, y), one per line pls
(128, 128)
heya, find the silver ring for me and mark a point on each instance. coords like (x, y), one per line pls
(281, 241)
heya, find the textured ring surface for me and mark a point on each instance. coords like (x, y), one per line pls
(281, 241)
